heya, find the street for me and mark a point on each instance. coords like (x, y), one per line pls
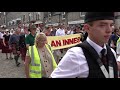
(8, 68)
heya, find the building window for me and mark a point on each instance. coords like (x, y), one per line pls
(49, 17)
(63, 16)
(29, 15)
(4, 20)
(37, 15)
(8, 24)
(4, 13)
(82, 14)
(23, 18)
(13, 22)
(18, 21)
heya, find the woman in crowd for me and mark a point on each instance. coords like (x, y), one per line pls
(22, 44)
(14, 45)
(5, 48)
(39, 61)
(1, 39)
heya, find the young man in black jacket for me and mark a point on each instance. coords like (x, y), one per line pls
(93, 58)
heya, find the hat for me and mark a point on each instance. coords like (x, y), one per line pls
(32, 27)
(6, 30)
(93, 16)
(22, 30)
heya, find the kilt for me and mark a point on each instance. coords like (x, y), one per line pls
(14, 49)
(23, 52)
(6, 49)
(1, 43)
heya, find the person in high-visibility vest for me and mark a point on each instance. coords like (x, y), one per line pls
(118, 47)
(39, 61)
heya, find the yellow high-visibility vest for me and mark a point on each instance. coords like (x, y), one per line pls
(118, 41)
(35, 66)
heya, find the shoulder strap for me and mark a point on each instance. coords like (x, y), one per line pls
(110, 55)
(86, 47)
(49, 47)
(32, 55)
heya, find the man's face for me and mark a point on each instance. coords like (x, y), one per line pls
(42, 42)
(18, 31)
(78, 30)
(33, 30)
(48, 32)
(7, 32)
(117, 31)
(100, 31)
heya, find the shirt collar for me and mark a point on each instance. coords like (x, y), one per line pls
(32, 35)
(96, 46)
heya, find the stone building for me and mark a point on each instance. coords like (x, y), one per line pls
(65, 17)
(117, 19)
(12, 19)
(23, 18)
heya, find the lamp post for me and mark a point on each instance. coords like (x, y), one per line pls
(66, 18)
(59, 18)
(33, 16)
(4, 13)
(29, 17)
(4, 17)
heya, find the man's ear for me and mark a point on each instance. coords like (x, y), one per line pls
(86, 27)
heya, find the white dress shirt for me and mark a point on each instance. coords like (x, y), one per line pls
(60, 32)
(1, 35)
(118, 58)
(70, 32)
(118, 48)
(74, 63)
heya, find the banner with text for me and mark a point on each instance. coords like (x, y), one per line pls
(60, 42)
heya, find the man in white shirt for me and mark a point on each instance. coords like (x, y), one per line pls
(60, 31)
(81, 63)
(1, 35)
(59, 53)
(38, 30)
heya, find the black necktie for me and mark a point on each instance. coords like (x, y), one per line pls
(104, 58)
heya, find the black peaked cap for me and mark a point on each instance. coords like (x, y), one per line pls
(93, 16)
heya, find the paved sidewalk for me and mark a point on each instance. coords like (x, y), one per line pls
(8, 68)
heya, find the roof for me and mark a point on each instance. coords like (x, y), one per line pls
(76, 22)
(38, 22)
